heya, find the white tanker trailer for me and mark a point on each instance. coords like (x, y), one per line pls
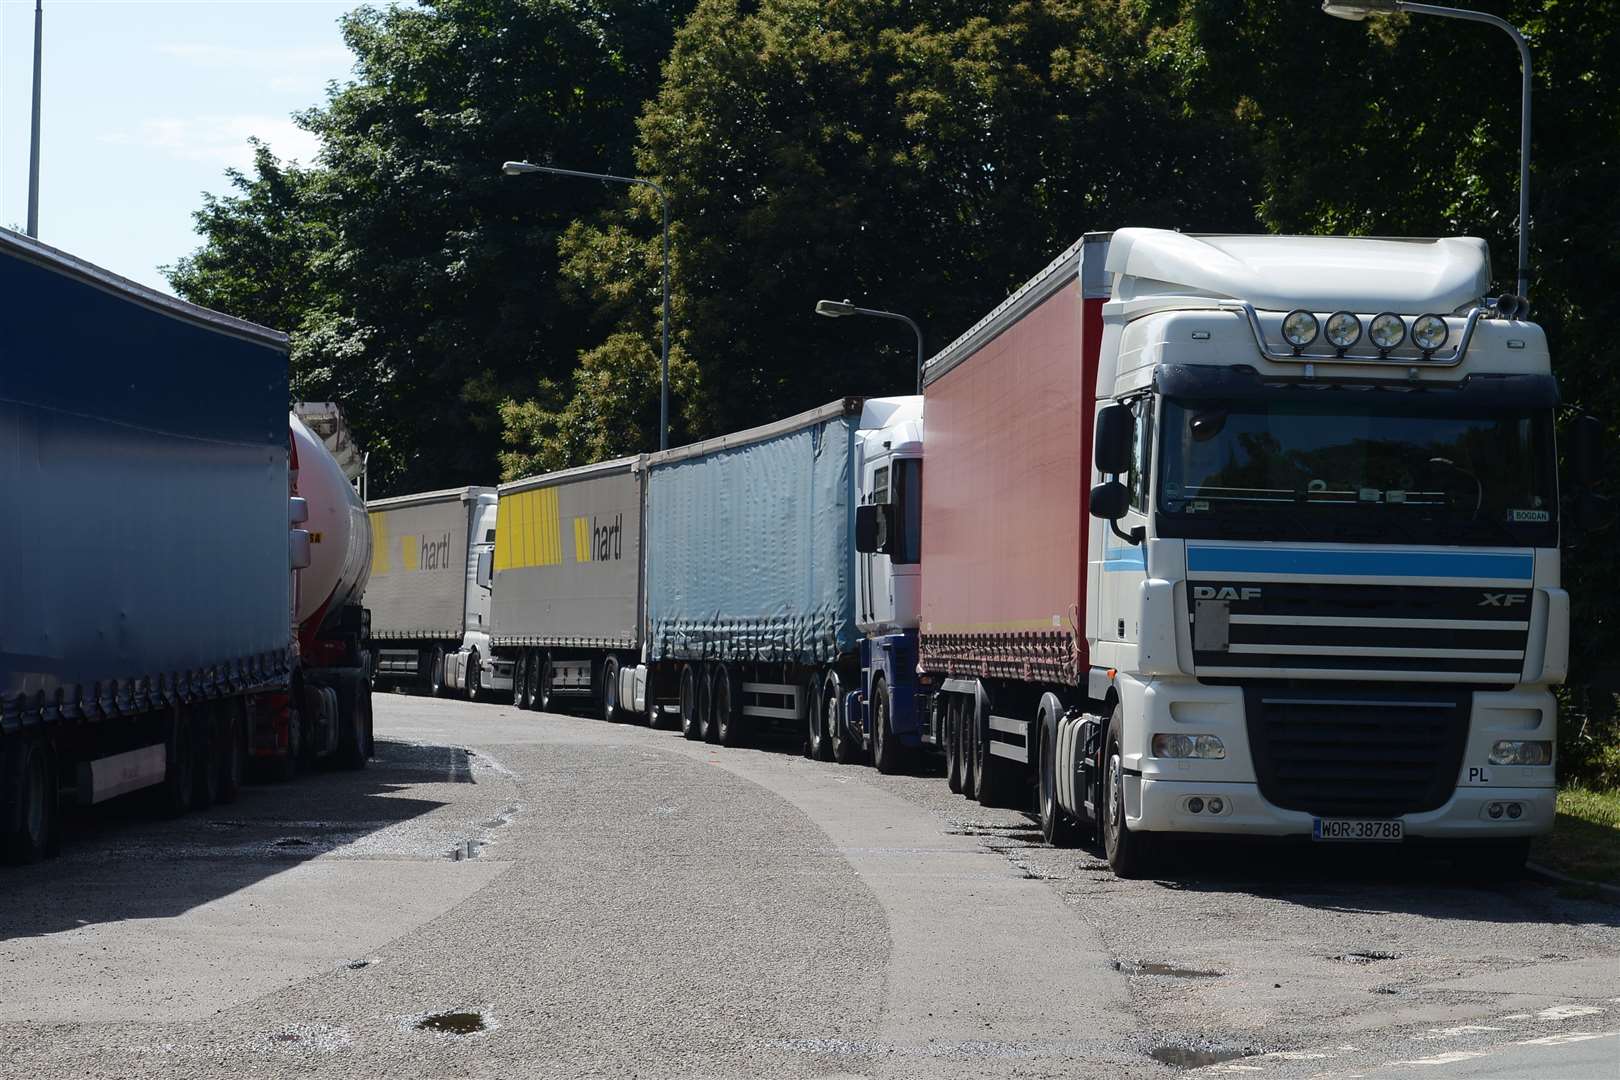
(181, 562)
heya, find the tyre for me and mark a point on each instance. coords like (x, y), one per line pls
(990, 771)
(435, 671)
(1057, 827)
(843, 747)
(967, 741)
(946, 707)
(473, 676)
(28, 800)
(205, 754)
(352, 729)
(180, 774)
(610, 689)
(520, 680)
(232, 749)
(540, 671)
(1130, 854)
(886, 749)
(727, 719)
(690, 701)
(816, 745)
(652, 712)
(707, 730)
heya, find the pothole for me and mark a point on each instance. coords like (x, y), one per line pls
(356, 965)
(452, 1023)
(1362, 957)
(1195, 1057)
(1143, 967)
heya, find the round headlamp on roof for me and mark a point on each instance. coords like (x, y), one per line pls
(1299, 328)
(1429, 332)
(1387, 330)
(1343, 329)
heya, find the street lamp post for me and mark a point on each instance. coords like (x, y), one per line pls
(519, 168)
(834, 309)
(33, 135)
(1357, 10)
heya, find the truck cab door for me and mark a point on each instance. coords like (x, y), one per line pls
(875, 593)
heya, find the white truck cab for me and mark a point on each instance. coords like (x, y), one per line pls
(1324, 543)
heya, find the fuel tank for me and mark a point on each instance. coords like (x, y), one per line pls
(339, 531)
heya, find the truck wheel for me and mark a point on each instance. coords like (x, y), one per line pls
(28, 801)
(1057, 827)
(832, 720)
(706, 725)
(205, 739)
(953, 757)
(474, 677)
(1130, 854)
(179, 778)
(520, 679)
(610, 689)
(816, 746)
(541, 672)
(886, 749)
(435, 672)
(966, 743)
(352, 732)
(990, 771)
(230, 748)
(690, 725)
(728, 729)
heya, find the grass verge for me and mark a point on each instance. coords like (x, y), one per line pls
(1585, 841)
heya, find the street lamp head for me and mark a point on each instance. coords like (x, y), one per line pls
(1358, 10)
(518, 168)
(833, 309)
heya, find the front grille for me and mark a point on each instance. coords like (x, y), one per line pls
(1340, 631)
(1350, 752)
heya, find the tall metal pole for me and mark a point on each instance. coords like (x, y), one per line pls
(518, 168)
(33, 141)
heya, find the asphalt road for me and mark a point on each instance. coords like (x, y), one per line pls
(605, 900)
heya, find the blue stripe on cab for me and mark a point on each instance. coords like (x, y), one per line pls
(1350, 562)
(1124, 558)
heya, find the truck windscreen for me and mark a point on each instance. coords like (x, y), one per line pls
(1345, 469)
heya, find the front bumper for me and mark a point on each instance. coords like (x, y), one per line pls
(1160, 806)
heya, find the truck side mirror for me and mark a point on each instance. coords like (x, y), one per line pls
(1116, 430)
(1110, 500)
(873, 528)
(486, 559)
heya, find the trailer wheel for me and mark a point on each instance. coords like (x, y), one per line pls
(179, 778)
(28, 801)
(816, 746)
(690, 726)
(352, 730)
(232, 742)
(435, 672)
(540, 672)
(1057, 827)
(1130, 854)
(886, 749)
(728, 731)
(990, 772)
(610, 689)
(520, 679)
(706, 726)
(967, 743)
(946, 704)
(205, 739)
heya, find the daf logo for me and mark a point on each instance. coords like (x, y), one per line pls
(1503, 599)
(1225, 592)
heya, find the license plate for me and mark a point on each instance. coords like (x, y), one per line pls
(1357, 830)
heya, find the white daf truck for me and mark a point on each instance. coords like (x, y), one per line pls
(1319, 588)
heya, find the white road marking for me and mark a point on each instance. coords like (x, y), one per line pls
(1448, 1058)
(1568, 1012)
(1567, 1037)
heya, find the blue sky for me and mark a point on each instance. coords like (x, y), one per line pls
(145, 105)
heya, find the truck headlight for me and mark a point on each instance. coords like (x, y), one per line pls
(1299, 328)
(1188, 746)
(1429, 332)
(1343, 329)
(1387, 330)
(1521, 752)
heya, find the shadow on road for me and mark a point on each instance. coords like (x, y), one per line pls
(121, 862)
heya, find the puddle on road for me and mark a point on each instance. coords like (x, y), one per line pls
(452, 1023)
(1143, 967)
(1191, 1057)
(1362, 957)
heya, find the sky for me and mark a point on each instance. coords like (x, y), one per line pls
(145, 104)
